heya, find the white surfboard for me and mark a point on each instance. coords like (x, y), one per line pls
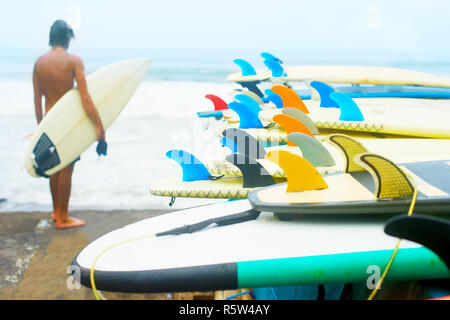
(66, 131)
(427, 118)
(348, 74)
(257, 253)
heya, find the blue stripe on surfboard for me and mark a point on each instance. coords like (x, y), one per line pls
(366, 91)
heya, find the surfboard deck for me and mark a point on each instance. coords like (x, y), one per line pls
(348, 74)
(258, 253)
(66, 131)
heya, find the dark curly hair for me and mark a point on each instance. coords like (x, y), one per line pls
(60, 34)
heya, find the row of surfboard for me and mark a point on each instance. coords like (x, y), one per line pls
(330, 192)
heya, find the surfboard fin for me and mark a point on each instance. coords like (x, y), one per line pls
(312, 150)
(269, 56)
(249, 93)
(246, 68)
(432, 232)
(274, 98)
(249, 101)
(324, 91)
(290, 125)
(219, 103)
(390, 180)
(349, 109)
(290, 98)
(314, 94)
(350, 148)
(276, 68)
(301, 175)
(302, 117)
(246, 143)
(193, 168)
(254, 174)
(247, 118)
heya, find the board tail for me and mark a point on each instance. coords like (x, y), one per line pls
(254, 174)
(290, 125)
(247, 117)
(290, 98)
(349, 109)
(302, 117)
(193, 169)
(312, 150)
(324, 91)
(301, 174)
(246, 143)
(246, 68)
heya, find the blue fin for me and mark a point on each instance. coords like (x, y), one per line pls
(274, 98)
(246, 68)
(324, 91)
(228, 143)
(248, 118)
(269, 56)
(210, 114)
(249, 101)
(276, 68)
(312, 150)
(193, 168)
(349, 109)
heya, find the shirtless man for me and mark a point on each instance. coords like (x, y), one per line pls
(54, 74)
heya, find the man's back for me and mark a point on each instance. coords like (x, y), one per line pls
(55, 75)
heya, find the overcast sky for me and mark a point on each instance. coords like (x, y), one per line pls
(297, 25)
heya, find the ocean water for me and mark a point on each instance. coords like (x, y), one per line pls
(160, 116)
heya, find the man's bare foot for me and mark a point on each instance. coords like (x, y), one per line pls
(69, 223)
(53, 216)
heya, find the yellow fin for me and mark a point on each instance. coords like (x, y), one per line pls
(390, 180)
(350, 148)
(301, 175)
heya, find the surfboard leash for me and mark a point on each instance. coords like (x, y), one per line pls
(410, 212)
(244, 216)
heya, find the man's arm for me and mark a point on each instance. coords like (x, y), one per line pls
(37, 97)
(86, 100)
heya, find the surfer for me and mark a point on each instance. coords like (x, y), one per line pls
(53, 75)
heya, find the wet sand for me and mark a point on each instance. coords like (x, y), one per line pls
(34, 255)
